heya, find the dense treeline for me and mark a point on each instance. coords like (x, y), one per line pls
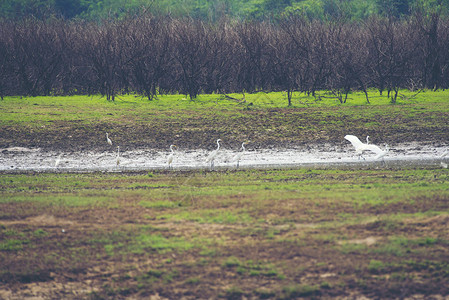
(152, 55)
(212, 10)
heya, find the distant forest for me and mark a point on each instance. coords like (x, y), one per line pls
(64, 47)
(214, 10)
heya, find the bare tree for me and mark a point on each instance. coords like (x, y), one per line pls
(149, 51)
(427, 29)
(149, 56)
(104, 51)
(6, 70)
(191, 54)
(252, 72)
(38, 48)
(349, 54)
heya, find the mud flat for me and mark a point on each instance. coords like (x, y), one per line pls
(19, 159)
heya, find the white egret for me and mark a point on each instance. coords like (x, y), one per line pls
(213, 154)
(367, 139)
(239, 155)
(108, 139)
(118, 156)
(58, 160)
(360, 147)
(382, 154)
(171, 156)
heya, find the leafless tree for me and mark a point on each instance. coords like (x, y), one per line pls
(428, 43)
(38, 49)
(104, 52)
(148, 55)
(348, 58)
(191, 54)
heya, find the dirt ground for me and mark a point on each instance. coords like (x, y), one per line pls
(259, 261)
(276, 128)
(264, 261)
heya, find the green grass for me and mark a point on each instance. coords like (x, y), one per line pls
(282, 233)
(81, 121)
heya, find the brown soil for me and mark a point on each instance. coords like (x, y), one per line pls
(87, 272)
(265, 129)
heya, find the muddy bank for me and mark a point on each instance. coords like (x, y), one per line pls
(18, 159)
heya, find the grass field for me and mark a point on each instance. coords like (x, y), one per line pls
(379, 232)
(270, 234)
(79, 123)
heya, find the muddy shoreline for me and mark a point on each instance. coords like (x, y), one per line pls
(21, 159)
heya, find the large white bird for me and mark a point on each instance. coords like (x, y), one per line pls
(171, 156)
(239, 155)
(360, 147)
(108, 139)
(58, 160)
(118, 156)
(382, 154)
(213, 154)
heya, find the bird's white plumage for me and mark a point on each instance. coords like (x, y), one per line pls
(58, 160)
(118, 156)
(360, 147)
(213, 154)
(383, 153)
(171, 156)
(239, 155)
(108, 139)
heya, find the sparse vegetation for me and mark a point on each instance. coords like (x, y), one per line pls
(78, 123)
(302, 233)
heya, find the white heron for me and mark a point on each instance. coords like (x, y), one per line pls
(108, 139)
(382, 154)
(367, 139)
(360, 147)
(58, 160)
(118, 156)
(239, 155)
(171, 156)
(213, 154)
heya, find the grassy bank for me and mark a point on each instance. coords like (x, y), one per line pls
(257, 233)
(80, 122)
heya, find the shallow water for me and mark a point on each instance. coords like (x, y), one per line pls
(18, 159)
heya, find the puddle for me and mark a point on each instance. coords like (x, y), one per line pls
(19, 159)
(369, 241)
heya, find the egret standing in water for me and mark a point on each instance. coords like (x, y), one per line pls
(443, 164)
(239, 155)
(108, 139)
(58, 160)
(382, 154)
(171, 156)
(360, 147)
(118, 156)
(213, 154)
